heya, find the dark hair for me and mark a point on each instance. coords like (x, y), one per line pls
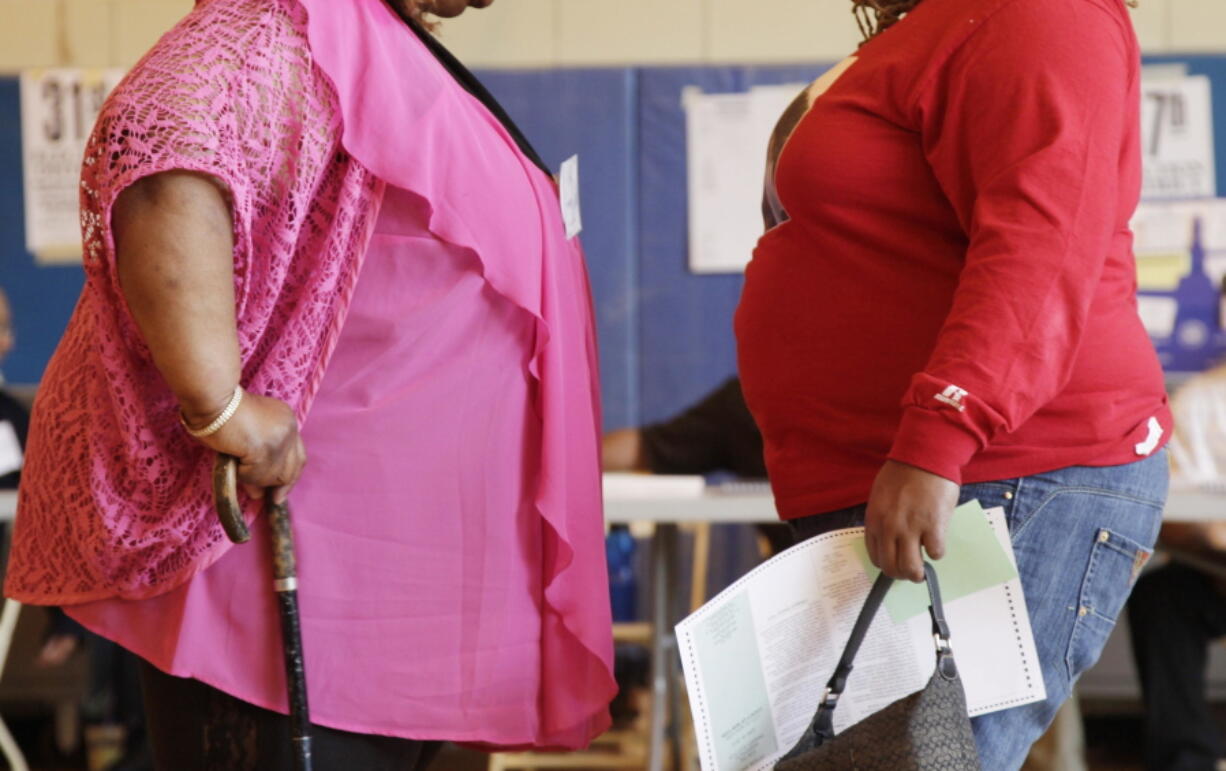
(876, 16)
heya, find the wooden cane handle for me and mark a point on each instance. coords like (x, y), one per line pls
(225, 498)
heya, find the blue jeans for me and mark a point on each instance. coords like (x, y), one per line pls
(1081, 535)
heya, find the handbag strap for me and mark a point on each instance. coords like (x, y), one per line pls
(823, 721)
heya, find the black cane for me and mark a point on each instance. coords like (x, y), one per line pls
(285, 583)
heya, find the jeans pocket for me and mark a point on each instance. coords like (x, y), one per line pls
(1114, 564)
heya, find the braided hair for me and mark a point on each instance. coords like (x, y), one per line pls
(876, 16)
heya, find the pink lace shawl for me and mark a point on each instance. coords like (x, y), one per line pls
(115, 498)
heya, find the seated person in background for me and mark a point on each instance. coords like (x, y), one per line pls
(63, 636)
(14, 417)
(717, 433)
(1179, 609)
(113, 691)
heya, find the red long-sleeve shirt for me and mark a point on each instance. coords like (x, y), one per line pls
(955, 287)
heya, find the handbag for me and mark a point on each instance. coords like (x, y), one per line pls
(926, 731)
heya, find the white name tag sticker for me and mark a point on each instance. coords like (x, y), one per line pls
(568, 192)
(10, 449)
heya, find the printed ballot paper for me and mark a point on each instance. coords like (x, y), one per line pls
(757, 656)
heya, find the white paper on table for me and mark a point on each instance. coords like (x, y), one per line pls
(10, 449)
(726, 141)
(757, 656)
(630, 486)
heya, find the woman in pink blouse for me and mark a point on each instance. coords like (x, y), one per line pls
(309, 210)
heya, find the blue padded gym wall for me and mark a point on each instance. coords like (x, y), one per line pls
(665, 333)
(686, 345)
(592, 113)
(42, 297)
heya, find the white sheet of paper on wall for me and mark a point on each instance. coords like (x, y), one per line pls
(1177, 138)
(58, 109)
(10, 449)
(726, 137)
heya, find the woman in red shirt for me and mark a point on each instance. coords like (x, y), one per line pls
(948, 311)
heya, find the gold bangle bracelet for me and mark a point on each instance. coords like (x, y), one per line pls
(218, 421)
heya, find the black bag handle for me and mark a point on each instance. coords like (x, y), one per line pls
(823, 722)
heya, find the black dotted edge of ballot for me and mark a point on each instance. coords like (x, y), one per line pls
(1021, 647)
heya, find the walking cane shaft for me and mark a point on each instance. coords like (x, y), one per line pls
(285, 583)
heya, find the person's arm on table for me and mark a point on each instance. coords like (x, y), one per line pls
(622, 450)
(174, 254)
(715, 433)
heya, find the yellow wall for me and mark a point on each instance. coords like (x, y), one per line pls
(530, 33)
(88, 33)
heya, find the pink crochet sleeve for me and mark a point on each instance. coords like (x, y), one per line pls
(176, 110)
(116, 497)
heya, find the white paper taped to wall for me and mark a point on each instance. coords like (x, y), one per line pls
(1177, 137)
(726, 140)
(58, 109)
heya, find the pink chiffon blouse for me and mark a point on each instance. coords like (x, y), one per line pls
(405, 282)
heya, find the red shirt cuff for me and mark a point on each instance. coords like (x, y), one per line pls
(929, 440)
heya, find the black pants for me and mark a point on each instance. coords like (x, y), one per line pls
(194, 727)
(1175, 613)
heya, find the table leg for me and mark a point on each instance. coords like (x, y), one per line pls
(8, 623)
(663, 564)
(674, 704)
